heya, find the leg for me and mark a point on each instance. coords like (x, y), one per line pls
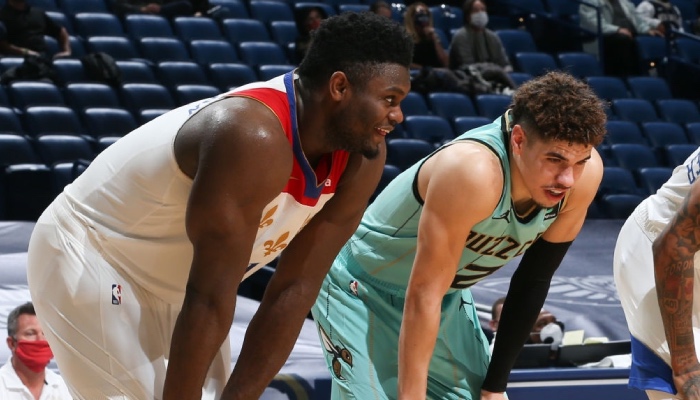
(108, 343)
(656, 395)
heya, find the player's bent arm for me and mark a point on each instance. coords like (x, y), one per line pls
(297, 279)
(238, 166)
(530, 282)
(457, 185)
(674, 270)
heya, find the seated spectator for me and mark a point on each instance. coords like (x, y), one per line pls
(477, 49)
(165, 8)
(661, 13)
(25, 376)
(545, 318)
(620, 24)
(308, 20)
(427, 49)
(382, 8)
(25, 28)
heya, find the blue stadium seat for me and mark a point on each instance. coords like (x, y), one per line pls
(25, 94)
(151, 114)
(619, 206)
(245, 30)
(196, 28)
(144, 96)
(286, 32)
(676, 154)
(516, 41)
(234, 8)
(64, 174)
(52, 120)
(519, 77)
(174, 73)
(492, 106)
(358, 8)
(259, 53)
(693, 131)
(464, 124)
(53, 149)
(104, 142)
(111, 122)
(69, 70)
(300, 6)
(404, 152)
(10, 122)
(661, 134)
(414, 104)
(634, 156)
(60, 19)
(649, 88)
(119, 48)
(624, 132)
(207, 52)
(430, 128)
(447, 17)
(269, 71)
(579, 64)
(77, 46)
(85, 95)
(226, 76)
(16, 149)
(4, 99)
(535, 64)
(451, 105)
(136, 72)
(163, 49)
(74, 7)
(28, 191)
(680, 111)
(651, 179)
(688, 49)
(635, 110)
(268, 11)
(98, 24)
(142, 25)
(10, 62)
(390, 172)
(618, 180)
(652, 51)
(608, 87)
(186, 94)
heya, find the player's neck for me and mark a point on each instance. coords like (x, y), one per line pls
(310, 122)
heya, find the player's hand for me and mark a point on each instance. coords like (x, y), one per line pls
(688, 384)
(485, 395)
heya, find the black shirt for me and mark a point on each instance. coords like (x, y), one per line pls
(26, 28)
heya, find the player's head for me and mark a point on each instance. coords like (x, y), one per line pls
(360, 61)
(496, 309)
(556, 122)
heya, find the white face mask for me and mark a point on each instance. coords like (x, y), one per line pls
(479, 19)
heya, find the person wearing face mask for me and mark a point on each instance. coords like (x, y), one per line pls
(427, 48)
(24, 376)
(308, 20)
(477, 49)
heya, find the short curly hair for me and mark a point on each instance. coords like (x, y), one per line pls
(557, 106)
(356, 44)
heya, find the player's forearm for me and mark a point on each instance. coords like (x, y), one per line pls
(419, 329)
(674, 285)
(269, 340)
(199, 332)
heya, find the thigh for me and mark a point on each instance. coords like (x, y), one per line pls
(358, 328)
(110, 338)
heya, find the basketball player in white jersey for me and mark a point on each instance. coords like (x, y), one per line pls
(656, 269)
(134, 268)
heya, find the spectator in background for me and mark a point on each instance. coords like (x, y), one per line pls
(26, 27)
(660, 13)
(382, 8)
(308, 19)
(620, 24)
(545, 318)
(427, 49)
(479, 50)
(165, 8)
(25, 376)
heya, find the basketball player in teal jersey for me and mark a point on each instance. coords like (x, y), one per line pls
(395, 315)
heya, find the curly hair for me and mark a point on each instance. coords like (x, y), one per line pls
(557, 106)
(356, 44)
(409, 19)
(13, 317)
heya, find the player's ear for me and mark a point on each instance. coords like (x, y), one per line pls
(517, 139)
(339, 86)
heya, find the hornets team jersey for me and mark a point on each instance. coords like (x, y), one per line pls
(133, 197)
(656, 211)
(384, 245)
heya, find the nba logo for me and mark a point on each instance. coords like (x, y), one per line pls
(116, 294)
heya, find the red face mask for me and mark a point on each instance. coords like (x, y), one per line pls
(314, 24)
(35, 354)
